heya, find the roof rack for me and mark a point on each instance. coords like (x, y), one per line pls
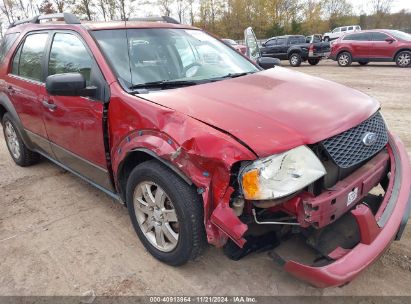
(155, 19)
(68, 18)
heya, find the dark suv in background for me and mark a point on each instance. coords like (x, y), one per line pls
(296, 49)
(373, 46)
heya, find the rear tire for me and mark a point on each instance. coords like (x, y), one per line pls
(313, 61)
(363, 62)
(166, 213)
(295, 59)
(19, 152)
(403, 59)
(344, 59)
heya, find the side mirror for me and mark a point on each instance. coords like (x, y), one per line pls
(390, 40)
(268, 62)
(69, 84)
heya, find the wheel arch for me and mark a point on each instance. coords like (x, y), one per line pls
(343, 51)
(136, 157)
(293, 51)
(7, 107)
(399, 51)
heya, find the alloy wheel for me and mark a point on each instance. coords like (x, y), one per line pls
(294, 60)
(12, 140)
(156, 216)
(404, 59)
(343, 59)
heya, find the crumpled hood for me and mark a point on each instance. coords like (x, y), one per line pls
(274, 110)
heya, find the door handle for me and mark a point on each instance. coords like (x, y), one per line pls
(49, 105)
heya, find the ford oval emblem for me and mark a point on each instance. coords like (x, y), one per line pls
(369, 138)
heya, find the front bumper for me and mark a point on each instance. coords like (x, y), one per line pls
(376, 232)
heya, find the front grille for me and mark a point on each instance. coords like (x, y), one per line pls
(347, 149)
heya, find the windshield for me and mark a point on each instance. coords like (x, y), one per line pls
(400, 35)
(147, 56)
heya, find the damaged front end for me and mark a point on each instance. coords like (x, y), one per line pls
(326, 221)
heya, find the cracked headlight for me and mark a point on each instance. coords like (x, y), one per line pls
(281, 174)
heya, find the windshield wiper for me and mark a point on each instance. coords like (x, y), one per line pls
(163, 84)
(233, 75)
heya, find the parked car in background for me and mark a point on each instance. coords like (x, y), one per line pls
(373, 46)
(296, 49)
(239, 47)
(339, 31)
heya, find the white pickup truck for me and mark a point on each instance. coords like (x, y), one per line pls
(339, 31)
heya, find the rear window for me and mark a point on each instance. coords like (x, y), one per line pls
(296, 40)
(6, 44)
(28, 59)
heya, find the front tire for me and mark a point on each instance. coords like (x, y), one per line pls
(295, 59)
(166, 213)
(403, 59)
(313, 61)
(344, 59)
(19, 152)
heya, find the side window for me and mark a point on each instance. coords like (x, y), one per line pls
(281, 41)
(377, 36)
(349, 37)
(358, 37)
(69, 55)
(6, 44)
(357, 27)
(336, 30)
(293, 40)
(343, 29)
(350, 28)
(28, 59)
(271, 42)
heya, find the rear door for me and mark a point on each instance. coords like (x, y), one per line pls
(26, 89)
(382, 49)
(359, 44)
(75, 124)
(281, 48)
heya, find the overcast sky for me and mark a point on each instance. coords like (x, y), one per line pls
(361, 5)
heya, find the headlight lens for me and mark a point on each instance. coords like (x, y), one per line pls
(280, 175)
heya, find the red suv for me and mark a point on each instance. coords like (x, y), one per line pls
(373, 46)
(202, 145)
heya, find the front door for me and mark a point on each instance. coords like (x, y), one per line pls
(74, 124)
(381, 48)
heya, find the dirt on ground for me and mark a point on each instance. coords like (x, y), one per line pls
(61, 236)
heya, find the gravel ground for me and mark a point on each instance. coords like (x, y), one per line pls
(60, 236)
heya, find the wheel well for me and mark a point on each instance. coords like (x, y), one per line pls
(343, 51)
(2, 112)
(395, 56)
(132, 160)
(293, 52)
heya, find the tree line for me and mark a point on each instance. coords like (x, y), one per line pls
(225, 18)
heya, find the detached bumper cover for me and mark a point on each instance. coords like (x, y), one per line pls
(376, 235)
